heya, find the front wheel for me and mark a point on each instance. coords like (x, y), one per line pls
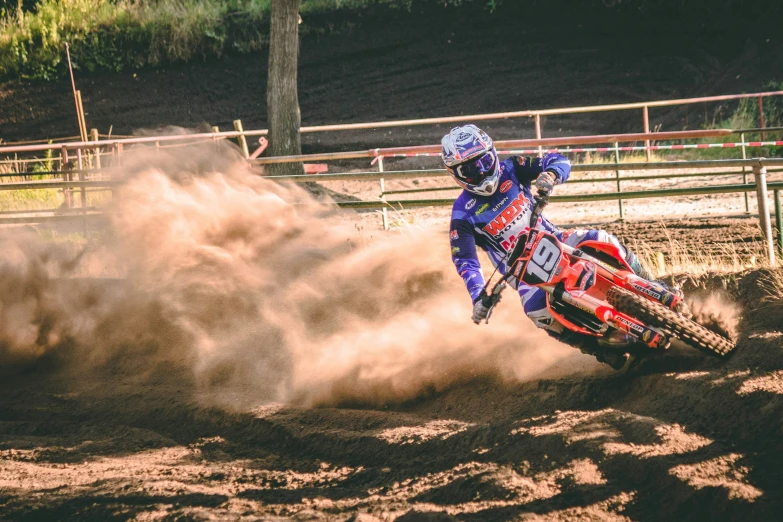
(659, 316)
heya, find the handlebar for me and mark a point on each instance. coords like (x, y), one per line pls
(542, 200)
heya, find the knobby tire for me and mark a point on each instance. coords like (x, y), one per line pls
(657, 315)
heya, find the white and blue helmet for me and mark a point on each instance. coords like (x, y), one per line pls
(470, 157)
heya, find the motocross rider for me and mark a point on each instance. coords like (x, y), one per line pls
(494, 209)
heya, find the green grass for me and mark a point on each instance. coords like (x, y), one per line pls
(115, 35)
(39, 199)
(122, 34)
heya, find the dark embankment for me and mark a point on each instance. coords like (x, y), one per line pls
(377, 64)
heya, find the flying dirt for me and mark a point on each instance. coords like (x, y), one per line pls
(260, 291)
(237, 349)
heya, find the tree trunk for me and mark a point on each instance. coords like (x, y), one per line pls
(282, 99)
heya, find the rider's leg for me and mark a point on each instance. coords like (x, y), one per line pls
(534, 303)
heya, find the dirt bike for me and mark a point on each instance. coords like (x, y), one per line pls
(592, 289)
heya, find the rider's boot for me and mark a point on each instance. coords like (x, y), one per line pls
(638, 269)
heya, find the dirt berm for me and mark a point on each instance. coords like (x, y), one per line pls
(683, 438)
(229, 348)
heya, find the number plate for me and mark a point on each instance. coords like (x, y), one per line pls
(543, 262)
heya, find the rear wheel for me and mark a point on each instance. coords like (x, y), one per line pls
(671, 322)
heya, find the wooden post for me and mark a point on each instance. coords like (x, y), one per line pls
(76, 95)
(646, 122)
(617, 176)
(82, 122)
(116, 163)
(94, 137)
(241, 138)
(384, 212)
(66, 167)
(760, 172)
(215, 130)
(80, 165)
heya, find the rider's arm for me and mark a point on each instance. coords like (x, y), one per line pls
(528, 168)
(464, 256)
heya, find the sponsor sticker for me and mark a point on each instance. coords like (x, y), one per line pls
(647, 291)
(482, 209)
(506, 186)
(647, 335)
(514, 209)
(470, 204)
(632, 326)
(454, 251)
(502, 202)
(454, 235)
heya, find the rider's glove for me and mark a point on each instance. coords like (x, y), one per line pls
(480, 312)
(546, 181)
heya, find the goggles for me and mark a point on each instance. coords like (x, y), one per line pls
(475, 171)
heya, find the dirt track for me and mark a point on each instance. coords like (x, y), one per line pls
(684, 437)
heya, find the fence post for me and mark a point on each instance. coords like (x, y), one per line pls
(617, 175)
(66, 167)
(760, 172)
(97, 150)
(117, 153)
(779, 221)
(745, 174)
(646, 122)
(241, 138)
(215, 130)
(384, 212)
(538, 135)
(80, 165)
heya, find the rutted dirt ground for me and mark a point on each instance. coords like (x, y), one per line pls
(683, 437)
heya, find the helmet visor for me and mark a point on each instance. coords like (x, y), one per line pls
(475, 171)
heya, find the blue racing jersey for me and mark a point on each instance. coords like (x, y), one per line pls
(494, 222)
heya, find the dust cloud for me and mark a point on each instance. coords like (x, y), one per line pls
(718, 313)
(254, 292)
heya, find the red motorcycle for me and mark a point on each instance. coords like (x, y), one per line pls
(592, 289)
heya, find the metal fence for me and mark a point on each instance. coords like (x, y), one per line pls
(114, 145)
(757, 165)
(83, 165)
